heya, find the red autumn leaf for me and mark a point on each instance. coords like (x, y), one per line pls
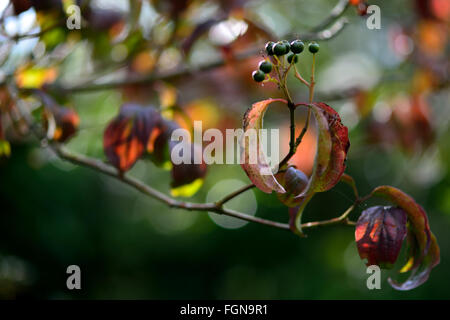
(329, 164)
(330, 161)
(423, 250)
(379, 234)
(256, 165)
(127, 135)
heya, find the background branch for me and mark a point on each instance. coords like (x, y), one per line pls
(335, 13)
(183, 71)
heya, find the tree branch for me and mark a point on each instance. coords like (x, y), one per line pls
(335, 13)
(325, 34)
(217, 207)
(155, 194)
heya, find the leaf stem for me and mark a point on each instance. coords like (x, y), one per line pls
(312, 83)
(299, 77)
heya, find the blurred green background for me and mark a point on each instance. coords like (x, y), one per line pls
(54, 214)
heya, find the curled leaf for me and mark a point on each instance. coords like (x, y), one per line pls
(126, 137)
(333, 145)
(255, 163)
(423, 250)
(379, 234)
(329, 164)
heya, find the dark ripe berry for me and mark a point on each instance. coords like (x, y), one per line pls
(295, 180)
(297, 46)
(258, 75)
(268, 48)
(294, 56)
(288, 46)
(265, 66)
(313, 47)
(279, 49)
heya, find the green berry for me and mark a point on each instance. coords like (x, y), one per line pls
(268, 48)
(258, 75)
(292, 56)
(279, 48)
(287, 45)
(297, 46)
(265, 66)
(313, 47)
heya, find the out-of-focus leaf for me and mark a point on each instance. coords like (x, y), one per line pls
(127, 135)
(143, 62)
(102, 19)
(167, 95)
(187, 190)
(21, 5)
(424, 250)
(138, 130)
(35, 77)
(39, 5)
(5, 148)
(379, 234)
(67, 122)
(61, 122)
(258, 172)
(135, 12)
(187, 178)
(159, 144)
(171, 8)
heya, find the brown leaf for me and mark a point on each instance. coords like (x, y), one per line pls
(127, 135)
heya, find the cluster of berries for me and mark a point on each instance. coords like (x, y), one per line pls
(279, 49)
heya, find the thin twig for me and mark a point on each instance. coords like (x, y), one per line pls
(183, 71)
(342, 219)
(100, 166)
(234, 194)
(155, 194)
(335, 13)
